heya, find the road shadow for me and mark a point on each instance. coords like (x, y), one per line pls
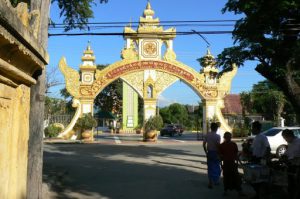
(127, 172)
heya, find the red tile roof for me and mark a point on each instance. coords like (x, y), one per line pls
(232, 104)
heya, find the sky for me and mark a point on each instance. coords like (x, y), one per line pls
(188, 49)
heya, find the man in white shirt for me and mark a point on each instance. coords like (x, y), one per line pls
(211, 144)
(261, 146)
(260, 151)
(293, 155)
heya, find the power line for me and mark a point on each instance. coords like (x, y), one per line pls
(135, 34)
(134, 26)
(137, 22)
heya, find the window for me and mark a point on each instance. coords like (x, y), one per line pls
(296, 132)
(272, 132)
(150, 91)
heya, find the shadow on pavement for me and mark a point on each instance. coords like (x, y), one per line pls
(123, 172)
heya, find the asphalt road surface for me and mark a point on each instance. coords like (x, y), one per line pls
(127, 168)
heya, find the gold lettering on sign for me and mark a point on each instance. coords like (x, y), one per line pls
(146, 65)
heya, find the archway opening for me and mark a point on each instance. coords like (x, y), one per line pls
(179, 104)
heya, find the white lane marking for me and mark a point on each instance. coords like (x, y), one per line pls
(164, 137)
(117, 140)
(178, 140)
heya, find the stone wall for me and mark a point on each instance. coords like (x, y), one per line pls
(21, 58)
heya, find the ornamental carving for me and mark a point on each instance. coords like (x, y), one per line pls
(225, 80)
(136, 80)
(72, 78)
(130, 53)
(169, 54)
(210, 93)
(149, 48)
(122, 68)
(163, 81)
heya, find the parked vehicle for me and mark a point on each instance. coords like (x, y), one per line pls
(171, 130)
(277, 143)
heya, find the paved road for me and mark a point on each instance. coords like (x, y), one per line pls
(107, 138)
(128, 171)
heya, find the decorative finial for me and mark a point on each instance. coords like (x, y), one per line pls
(208, 52)
(148, 5)
(207, 60)
(89, 45)
(148, 11)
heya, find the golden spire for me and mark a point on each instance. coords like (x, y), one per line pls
(148, 12)
(88, 56)
(208, 53)
(149, 24)
(88, 48)
(208, 59)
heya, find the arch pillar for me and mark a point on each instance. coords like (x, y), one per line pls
(212, 110)
(87, 105)
(209, 111)
(149, 108)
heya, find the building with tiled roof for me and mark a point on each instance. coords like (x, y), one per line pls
(233, 105)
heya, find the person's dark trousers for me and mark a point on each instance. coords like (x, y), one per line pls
(293, 181)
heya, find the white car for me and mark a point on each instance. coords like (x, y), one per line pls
(277, 143)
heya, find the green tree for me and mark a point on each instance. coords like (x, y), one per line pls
(76, 14)
(165, 114)
(246, 103)
(268, 33)
(175, 113)
(110, 98)
(266, 99)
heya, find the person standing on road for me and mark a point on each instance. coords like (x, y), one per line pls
(293, 156)
(229, 156)
(211, 144)
(260, 155)
(261, 146)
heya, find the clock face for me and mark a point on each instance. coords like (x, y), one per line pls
(150, 48)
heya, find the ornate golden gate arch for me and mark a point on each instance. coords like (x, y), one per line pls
(143, 53)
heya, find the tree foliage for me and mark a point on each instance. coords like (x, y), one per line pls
(86, 122)
(55, 106)
(178, 113)
(76, 13)
(110, 98)
(268, 33)
(153, 123)
(175, 113)
(267, 100)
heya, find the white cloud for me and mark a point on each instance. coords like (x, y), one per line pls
(163, 101)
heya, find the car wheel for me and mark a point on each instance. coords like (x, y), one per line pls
(171, 134)
(161, 134)
(180, 134)
(280, 150)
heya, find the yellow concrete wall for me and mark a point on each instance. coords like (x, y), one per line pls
(14, 133)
